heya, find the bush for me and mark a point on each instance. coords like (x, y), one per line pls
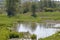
(25, 10)
(14, 35)
(48, 9)
(33, 36)
(4, 33)
(21, 35)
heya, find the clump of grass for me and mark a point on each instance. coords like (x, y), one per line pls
(4, 33)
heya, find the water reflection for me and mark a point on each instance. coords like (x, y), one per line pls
(40, 29)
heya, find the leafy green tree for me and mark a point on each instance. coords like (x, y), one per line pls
(44, 4)
(11, 7)
(26, 6)
(33, 9)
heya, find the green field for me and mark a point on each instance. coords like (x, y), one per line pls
(41, 16)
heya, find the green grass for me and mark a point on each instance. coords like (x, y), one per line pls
(49, 15)
(41, 16)
(4, 33)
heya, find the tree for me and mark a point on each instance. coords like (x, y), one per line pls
(33, 9)
(26, 7)
(41, 5)
(11, 7)
(47, 4)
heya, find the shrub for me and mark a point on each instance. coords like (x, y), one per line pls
(21, 35)
(33, 36)
(14, 35)
(48, 9)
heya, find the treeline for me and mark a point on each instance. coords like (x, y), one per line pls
(41, 6)
(16, 6)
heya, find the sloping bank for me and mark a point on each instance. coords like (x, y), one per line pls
(53, 37)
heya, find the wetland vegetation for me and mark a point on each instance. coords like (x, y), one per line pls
(39, 19)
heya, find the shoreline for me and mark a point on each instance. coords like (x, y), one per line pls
(52, 21)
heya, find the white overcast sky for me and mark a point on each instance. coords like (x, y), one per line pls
(55, 0)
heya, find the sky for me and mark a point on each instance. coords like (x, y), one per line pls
(37, 0)
(55, 0)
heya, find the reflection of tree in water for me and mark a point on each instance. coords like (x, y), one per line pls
(47, 25)
(33, 26)
(30, 26)
(27, 25)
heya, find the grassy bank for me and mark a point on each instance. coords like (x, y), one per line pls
(53, 37)
(41, 16)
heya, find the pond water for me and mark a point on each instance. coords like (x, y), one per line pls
(40, 29)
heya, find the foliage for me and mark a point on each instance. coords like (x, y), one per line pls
(33, 36)
(11, 6)
(14, 35)
(26, 7)
(4, 33)
(33, 7)
(47, 4)
(49, 9)
(21, 35)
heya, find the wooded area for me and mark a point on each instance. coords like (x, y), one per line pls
(13, 7)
